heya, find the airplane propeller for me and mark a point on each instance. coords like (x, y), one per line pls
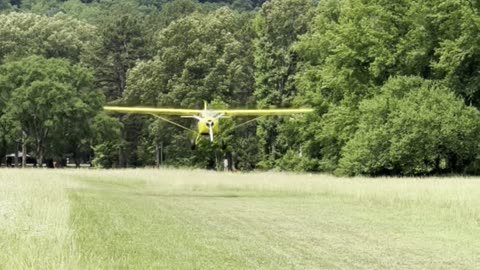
(210, 129)
(210, 125)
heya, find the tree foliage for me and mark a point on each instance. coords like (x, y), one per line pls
(394, 85)
(124, 39)
(354, 47)
(106, 140)
(278, 25)
(199, 58)
(59, 36)
(415, 127)
(51, 101)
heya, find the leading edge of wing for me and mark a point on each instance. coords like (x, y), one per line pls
(157, 111)
(261, 112)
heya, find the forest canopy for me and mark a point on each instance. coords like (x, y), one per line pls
(395, 85)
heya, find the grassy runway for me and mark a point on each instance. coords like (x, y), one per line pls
(173, 219)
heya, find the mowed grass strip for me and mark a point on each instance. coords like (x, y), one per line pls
(179, 219)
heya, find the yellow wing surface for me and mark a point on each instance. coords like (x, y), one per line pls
(190, 112)
(157, 111)
(262, 112)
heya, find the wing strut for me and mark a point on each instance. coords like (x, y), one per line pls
(245, 123)
(174, 123)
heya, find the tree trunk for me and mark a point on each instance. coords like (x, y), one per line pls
(273, 152)
(157, 155)
(3, 153)
(40, 160)
(233, 168)
(225, 163)
(16, 155)
(161, 153)
(120, 159)
(24, 153)
(39, 156)
(121, 78)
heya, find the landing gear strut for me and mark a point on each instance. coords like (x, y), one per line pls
(195, 142)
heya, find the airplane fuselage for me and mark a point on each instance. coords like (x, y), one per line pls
(208, 124)
(205, 123)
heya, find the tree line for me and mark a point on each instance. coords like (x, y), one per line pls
(395, 85)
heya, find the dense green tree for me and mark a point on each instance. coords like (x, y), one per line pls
(51, 101)
(200, 57)
(456, 26)
(350, 49)
(94, 11)
(347, 58)
(59, 36)
(154, 140)
(415, 127)
(8, 135)
(26, 34)
(177, 9)
(124, 40)
(91, 12)
(278, 25)
(43, 7)
(394, 84)
(106, 140)
(353, 47)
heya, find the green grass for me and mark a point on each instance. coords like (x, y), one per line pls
(172, 219)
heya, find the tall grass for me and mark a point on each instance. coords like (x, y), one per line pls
(34, 218)
(184, 219)
(458, 194)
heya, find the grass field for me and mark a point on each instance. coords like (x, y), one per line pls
(172, 219)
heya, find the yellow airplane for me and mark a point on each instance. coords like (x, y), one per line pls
(207, 119)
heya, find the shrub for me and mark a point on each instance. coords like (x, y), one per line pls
(414, 127)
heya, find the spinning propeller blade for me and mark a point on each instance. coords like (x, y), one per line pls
(210, 129)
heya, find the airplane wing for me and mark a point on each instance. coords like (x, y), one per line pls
(192, 112)
(155, 111)
(262, 112)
